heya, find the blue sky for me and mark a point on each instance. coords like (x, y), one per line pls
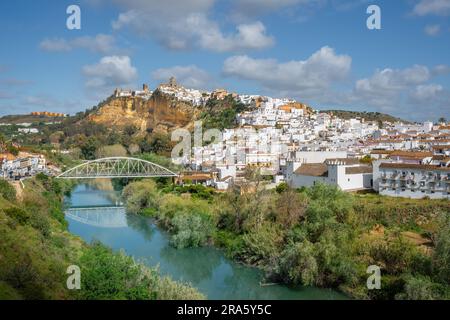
(317, 51)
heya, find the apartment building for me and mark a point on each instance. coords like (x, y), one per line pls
(412, 180)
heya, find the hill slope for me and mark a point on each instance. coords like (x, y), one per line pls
(368, 116)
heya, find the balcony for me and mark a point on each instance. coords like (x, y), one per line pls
(393, 176)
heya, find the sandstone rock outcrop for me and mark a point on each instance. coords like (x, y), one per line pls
(160, 113)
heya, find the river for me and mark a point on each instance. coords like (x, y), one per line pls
(95, 214)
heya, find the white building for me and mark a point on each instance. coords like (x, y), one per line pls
(412, 180)
(348, 174)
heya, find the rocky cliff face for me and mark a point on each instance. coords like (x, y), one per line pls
(161, 113)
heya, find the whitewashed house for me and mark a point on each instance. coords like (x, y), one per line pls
(348, 174)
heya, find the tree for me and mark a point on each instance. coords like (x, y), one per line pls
(442, 120)
(282, 187)
(141, 195)
(367, 159)
(2, 143)
(190, 231)
(7, 191)
(116, 150)
(290, 207)
(421, 288)
(157, 143)
(298, 264)
(380, 124)
(441, 256)
(13, 150)
(89, 147)
(108, 275)
(130, 130)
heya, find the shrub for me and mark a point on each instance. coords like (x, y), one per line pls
(108, 275)
(18, 214)
(40, 223)
(298, 265)
(262, 245)
(112, 276)
(190, 231)
(140, 195)
(7, 191)
(282, 187)
(422, 288)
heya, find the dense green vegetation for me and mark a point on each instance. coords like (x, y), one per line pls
(108, 275)
(36, 249)
(317, 236)
(221, 114)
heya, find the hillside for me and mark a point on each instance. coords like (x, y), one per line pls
(36, 250)
(28, 118)
(368, 116)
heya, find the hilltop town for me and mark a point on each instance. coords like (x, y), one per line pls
(286, 140)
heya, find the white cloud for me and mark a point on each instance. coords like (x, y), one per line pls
(427, 92)
(100, 43)
(185, 24)
(299, 77)
(441, 69)
(432, 7)
(386, 88)
(432, 30)
(322, 81)
(392, 80)
(110, 72)
(189, 76)
(56, 44)
(248, 36)
(399, 91)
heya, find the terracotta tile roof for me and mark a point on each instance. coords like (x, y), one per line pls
(442, 158)
(313, 169)
(195, 176)
(381, 151)
(444, 147)
(358, 170)
(411, 154)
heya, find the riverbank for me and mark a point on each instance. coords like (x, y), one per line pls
(205, 268)
(319, 236)
(36, 249)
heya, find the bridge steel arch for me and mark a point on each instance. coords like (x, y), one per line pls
(117, 167)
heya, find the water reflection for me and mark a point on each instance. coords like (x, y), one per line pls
(140, 225)
(101, 217)
(195, 264)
